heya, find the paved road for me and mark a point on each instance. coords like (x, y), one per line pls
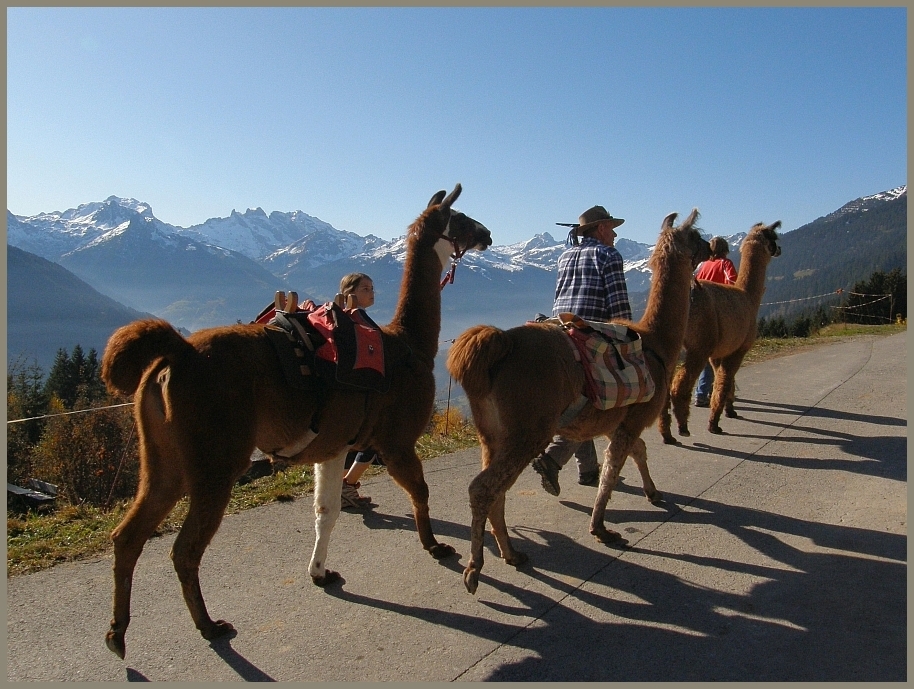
(780, 553)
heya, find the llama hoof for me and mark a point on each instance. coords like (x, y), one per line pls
(670, 440)
(217, 629)
(116, 644)
(657, 497)
(471, 579)
(441, 550)
(329, 577)
(608, 536)
(714, 428)
(731, 413)
(518, 559)
(684, 431)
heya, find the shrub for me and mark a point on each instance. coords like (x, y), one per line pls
(92, 457)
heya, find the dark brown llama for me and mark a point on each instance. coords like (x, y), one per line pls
(520, 381)
(204, 403)
(722, 327)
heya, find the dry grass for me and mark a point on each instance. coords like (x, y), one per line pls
(37, 541)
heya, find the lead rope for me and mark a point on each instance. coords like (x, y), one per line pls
(449, 276)
(455, 259)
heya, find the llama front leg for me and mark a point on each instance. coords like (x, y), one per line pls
(405, 469)
(482, 500)
(328, 482)
(619, 447)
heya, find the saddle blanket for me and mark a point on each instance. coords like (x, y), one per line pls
(615, 370)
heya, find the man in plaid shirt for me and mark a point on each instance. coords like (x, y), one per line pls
(591, 285)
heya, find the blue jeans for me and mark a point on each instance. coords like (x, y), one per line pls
(705, 383)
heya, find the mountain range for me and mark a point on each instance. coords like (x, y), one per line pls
(226, 270)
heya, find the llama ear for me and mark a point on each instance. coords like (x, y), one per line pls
(436, 199)
(775, 225)
(449, 201)
(692, 219)
(668, 221)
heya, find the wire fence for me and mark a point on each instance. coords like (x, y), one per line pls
(791, 301)
(445, 400)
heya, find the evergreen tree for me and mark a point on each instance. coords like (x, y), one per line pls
(25, 399)
(882, 298)
(75, 376)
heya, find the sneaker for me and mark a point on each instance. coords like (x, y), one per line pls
(702, 402)
(351, 497)
(589, 478)
(548, 470)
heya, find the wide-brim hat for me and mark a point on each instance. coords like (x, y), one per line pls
(590, 218)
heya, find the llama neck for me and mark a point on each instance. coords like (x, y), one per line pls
(751, 277)
(663, 324)
(418, 314)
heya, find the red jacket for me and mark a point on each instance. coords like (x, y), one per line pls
(717, 270)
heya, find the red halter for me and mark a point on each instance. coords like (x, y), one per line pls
(455, 257)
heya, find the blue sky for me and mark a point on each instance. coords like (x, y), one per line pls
(358, 115)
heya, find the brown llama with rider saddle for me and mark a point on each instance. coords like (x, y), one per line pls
(204, 403)
(521, 381)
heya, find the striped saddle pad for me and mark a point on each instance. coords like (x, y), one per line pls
(615, 370)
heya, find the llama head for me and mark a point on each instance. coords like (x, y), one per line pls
(764, 235)
(453, 232)
(683, 240)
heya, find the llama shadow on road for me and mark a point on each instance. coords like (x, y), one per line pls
(887, 455)
(804, 618)
(136, 676)
(817, 412)
(245, 669)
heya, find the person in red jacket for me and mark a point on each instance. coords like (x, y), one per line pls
(720, 269)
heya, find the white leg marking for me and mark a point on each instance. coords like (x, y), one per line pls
(328, 484)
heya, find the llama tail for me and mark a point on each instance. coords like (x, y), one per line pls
(134, 347)
(473, 355)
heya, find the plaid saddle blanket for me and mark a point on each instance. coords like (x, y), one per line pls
(615, 370)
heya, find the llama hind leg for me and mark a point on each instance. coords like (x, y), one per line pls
(724, 388)
(620, 447)
(207, 506)
(682, 386)
(639, 454)
(500, 532)
(152, 505)
(665, 420)
(729, 409)
(483, 497)
(681, 392)
(328, 481)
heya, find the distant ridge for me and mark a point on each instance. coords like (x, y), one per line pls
(226, 269)
(49, 308)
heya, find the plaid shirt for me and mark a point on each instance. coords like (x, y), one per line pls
(591, 282)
